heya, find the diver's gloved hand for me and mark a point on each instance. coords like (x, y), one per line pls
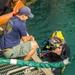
(66, 61)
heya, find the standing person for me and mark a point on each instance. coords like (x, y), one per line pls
(16, 31)
(56, 50)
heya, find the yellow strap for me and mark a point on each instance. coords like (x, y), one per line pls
(63, 69)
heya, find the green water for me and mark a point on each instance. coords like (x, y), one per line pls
(52, 15)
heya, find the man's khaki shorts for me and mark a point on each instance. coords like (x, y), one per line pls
(20, 50)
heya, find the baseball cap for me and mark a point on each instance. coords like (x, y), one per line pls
(25, 11)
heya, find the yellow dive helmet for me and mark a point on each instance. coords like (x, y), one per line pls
(59, 35)
(57, 39)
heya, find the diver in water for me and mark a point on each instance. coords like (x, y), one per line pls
(55, 50)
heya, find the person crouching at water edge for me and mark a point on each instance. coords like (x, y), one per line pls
(15, 31)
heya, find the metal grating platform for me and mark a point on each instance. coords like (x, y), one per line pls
(15, 70)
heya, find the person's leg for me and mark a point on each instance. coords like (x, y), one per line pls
(25, 50)
(13, 52)
(34, 46)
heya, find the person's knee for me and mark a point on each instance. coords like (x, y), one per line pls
(34, 44)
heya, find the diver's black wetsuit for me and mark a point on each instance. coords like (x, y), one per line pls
(53, 57)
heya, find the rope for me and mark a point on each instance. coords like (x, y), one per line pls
(35, 64)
